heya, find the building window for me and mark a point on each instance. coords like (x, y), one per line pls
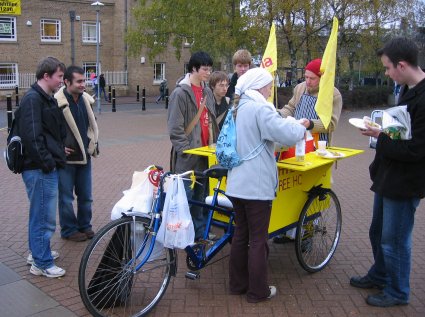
(50, 30)
(8, 75)
(89, 32)
(158, 72)
(7, 29)
(90, 71)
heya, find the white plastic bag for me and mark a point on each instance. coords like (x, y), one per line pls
(176, 230)
(138, 198)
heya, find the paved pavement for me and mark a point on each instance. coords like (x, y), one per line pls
(130, 140)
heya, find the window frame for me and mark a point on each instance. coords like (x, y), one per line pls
(157, 80)
(14, 35)
(58, 36)
(10, 84)
(90, 65)
(86, 40)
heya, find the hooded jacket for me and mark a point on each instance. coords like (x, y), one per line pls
(73, 139)
(42, 130)
(182, 109)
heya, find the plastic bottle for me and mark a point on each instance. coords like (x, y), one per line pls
(300, 150)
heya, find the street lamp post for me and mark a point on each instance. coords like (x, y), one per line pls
(97, 5)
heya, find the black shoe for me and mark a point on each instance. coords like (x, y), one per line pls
(384, 300)
(282, 239)
(364, 282)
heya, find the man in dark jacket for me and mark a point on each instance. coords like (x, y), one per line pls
(398, 177)
(42, 131)
(241, 62)
(80, 146)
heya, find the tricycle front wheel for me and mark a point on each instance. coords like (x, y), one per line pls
(318, 230)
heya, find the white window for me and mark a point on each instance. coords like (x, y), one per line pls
(158, 72)
(50, 30)
(90, 71)
(8, 75)
(89, 32)
(7, 29)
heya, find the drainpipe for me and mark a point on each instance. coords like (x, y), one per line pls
(72, 18)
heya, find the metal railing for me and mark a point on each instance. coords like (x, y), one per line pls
(25, 80)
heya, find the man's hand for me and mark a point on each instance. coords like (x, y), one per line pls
(371, 131)
(305, 122)
(68, 151)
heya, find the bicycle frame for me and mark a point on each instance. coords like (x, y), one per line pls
(199, 259)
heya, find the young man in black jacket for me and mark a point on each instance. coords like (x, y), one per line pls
(398, 181)
(42, 130)
(241, 62)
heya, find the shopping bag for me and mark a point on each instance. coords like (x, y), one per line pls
(176, 230)
(138, 198)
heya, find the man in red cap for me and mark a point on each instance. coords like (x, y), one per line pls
(302, 105)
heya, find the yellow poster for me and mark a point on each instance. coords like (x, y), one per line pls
(10, 7)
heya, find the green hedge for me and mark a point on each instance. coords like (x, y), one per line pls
(360, 97)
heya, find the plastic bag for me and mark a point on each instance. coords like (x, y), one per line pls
(138, 198)
(176, 230)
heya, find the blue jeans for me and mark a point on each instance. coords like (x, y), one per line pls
(42, 191)
(199, 214)
(75, 177)
(391, 239)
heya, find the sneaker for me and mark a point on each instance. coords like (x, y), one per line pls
(364, 282)
(272, 292)
(77, 237)
(212, 236)
(384, 300)
(281, 239)
(30, 260)
(53, 271)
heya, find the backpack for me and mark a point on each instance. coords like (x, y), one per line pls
(225, 152)
(14, 152)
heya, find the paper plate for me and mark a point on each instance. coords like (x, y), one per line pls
(359, 123)
(331, 155)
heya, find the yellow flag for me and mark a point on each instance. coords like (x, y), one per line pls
(269, 60)
(325, 98)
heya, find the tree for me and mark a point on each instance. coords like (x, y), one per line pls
(213, 26)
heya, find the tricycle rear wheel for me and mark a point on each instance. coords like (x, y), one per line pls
(318, 230)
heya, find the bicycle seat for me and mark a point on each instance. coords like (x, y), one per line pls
(222, 201)
(216, 171)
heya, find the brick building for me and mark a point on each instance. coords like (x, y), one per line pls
(66, 29)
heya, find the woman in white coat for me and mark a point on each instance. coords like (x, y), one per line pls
(252, 185)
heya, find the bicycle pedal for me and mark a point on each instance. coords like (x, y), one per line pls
(192, 275)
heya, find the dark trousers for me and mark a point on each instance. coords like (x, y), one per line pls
(249, 251)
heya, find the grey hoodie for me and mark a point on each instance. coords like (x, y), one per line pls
(182, 109)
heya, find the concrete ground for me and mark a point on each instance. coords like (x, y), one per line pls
(130, 140)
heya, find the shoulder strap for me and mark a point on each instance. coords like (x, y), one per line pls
(195, 119)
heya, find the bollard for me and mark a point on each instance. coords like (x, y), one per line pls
(138, 95)
(114, 109)
(143, 99)
(166, 98)
(17, 96)
(9, 112)
(109, 93)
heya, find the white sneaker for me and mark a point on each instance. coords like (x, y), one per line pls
(212, 236)
(30, 260)
(53, 271)
(272, 292)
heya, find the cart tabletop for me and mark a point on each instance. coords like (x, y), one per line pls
(312, 160)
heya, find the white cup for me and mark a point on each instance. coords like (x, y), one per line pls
(322, 146)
